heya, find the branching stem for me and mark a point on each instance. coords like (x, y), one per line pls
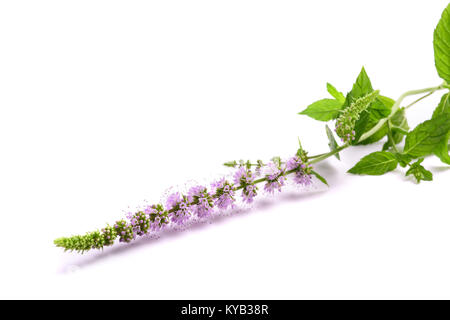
(396, 107)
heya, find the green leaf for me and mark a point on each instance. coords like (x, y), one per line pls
(318, 176)
(339, 96)
(332, 141)
(427, 136)
(380, 108)
(441, 44)
(419, 172)
(383, 108)
(300, 150)
(443, 107)
(376, 163)
(323, 110)
(441, 150)
(362, 85)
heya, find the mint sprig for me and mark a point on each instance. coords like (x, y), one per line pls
(362, 116)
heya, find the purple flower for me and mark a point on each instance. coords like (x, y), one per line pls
(109, 234)
(302, 170)
(248, 193)
(201, 201)
(179, 208)
(158, 217)
(275, 177)
(295, 163)
(125, 231)
(243, 175)
(224, 193)
(302, 178)
(244, 178)
(140, 223)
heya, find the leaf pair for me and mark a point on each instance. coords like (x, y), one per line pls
(330, 109)
(419, 172)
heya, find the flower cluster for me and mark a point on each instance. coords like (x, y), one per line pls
(245, 179)
(201, 200)
(109, 235)
(224, 193)
(345, 123)
(179, 208)
(158, 217)
(274, 176)
(140, 223)
(97, 240)
(125, 231)
(301, 168)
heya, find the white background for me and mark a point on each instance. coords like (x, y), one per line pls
(105, 104)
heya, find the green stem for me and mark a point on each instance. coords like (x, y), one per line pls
(401, 130)
(421, 98)
(391, 139)
(316, 156)
(317, 159)
(396, 107)
(265, 179)
(329, 154)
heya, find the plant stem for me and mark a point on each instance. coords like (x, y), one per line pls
(423, 97)
(391, 139)
(317, 159)
(395, 108)
(316, 156)
(264, 179)
(329, 154)
(401, 130)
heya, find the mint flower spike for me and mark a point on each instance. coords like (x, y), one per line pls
(345, 123)
(200, 202)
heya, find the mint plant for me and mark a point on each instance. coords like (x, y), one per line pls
(362, 116)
